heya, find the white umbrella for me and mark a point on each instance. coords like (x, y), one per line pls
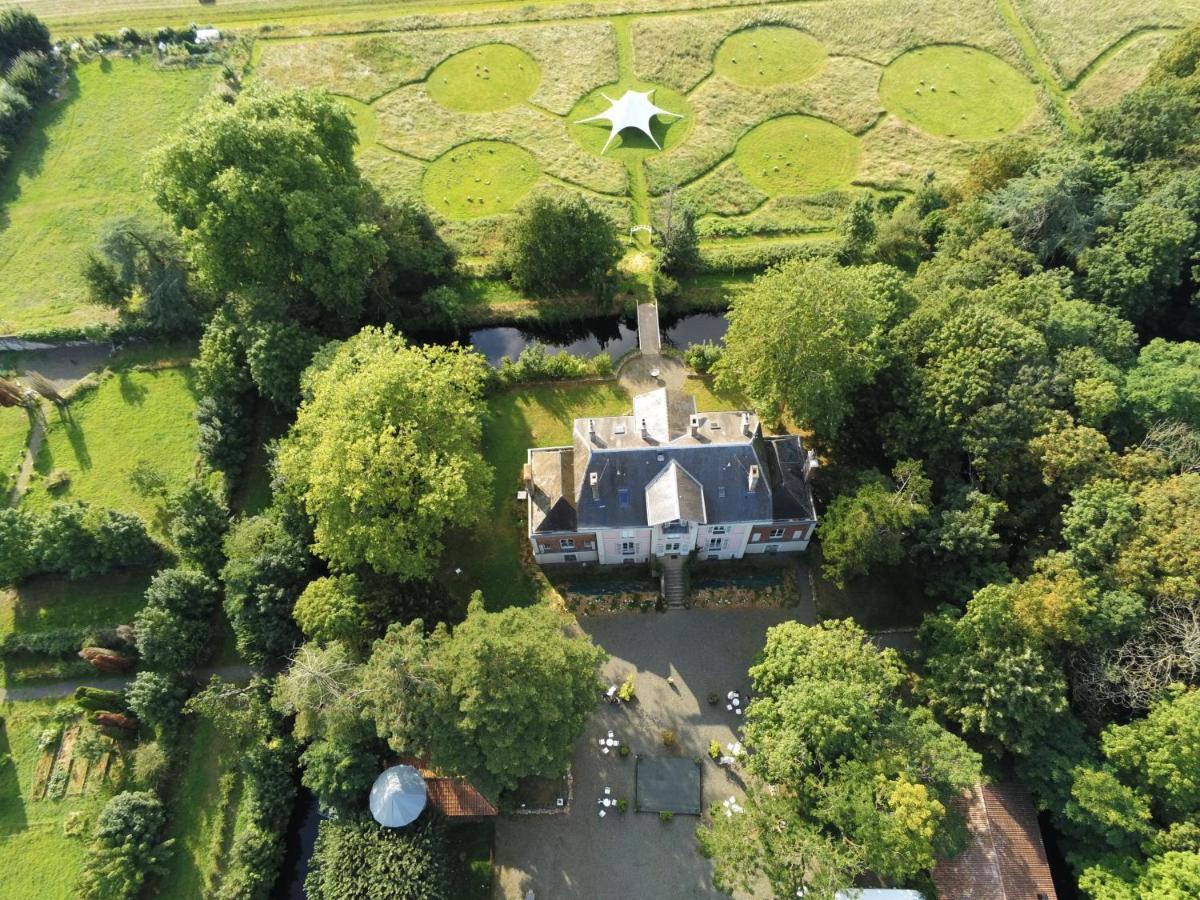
(398, 796)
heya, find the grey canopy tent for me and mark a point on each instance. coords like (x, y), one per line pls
(398, 796)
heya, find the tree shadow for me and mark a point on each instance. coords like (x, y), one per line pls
(10, 787)
(132, 392)
(79, 446)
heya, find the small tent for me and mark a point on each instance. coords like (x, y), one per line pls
(398, 796)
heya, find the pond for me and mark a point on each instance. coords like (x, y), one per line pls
(587, 337)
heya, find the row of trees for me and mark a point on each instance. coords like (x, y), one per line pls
(25, 73)
(1005, 377)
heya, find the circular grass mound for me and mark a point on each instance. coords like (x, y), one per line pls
(365, 123)
(771, 54)
(484, 78)
(957, 92)
(798, 155)
(481, 178)
(630, 143)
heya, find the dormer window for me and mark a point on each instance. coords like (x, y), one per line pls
(623, 497)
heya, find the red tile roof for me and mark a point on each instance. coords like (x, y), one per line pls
(455, 797)
(1004, 858)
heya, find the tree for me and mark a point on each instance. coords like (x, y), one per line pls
(266, 570)
(808, 335)
(982, 672)
(962, 546)
(20, 30)
(338, 608)
(1173, 876)
(340, 775)
(171, 642)
(265, 195)
(356, 859)
(198, 520)
(125, 848)
(157, 699)
(870, 526)
(1165, 383)
(681, 243)
(385, 451)
(858, 780)
(138, 269)
(1153, 121)
(555, 245)
(502, 697)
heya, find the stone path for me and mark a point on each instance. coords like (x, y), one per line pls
(117, 683)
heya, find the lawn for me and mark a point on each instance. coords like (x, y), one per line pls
(14, 433)
(529, 416)
(770, 55)
(480, 178)
(887, 598)
(133, 418)
(485, 78)
(957, 92)
(51, 602)
(798, 155)
(80, 166)
(40, 861)
(202, 812)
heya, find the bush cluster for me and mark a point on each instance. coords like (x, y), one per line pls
(71, 539)
(25, 71)
(702, 357)
(356, 857)
(535, 364)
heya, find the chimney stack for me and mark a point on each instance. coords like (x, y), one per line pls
(645, 431)
(811, 464)
(592, 429)
(594, 481)
(695, 426)
(753, 479)
(746, 424)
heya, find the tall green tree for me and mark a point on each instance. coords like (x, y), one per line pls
(858, 779)
(385, 451)
(556, 245)
(503, 696)
(807, 335)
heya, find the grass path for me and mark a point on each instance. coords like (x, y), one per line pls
(1037, 62)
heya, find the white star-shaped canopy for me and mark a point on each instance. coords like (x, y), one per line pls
(635, 109)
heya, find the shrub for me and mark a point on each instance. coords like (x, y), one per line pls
(668, 737)
(57, 480)
(535, 364)
(56, 642)
(151, 765)
(665, 815)
(681, 243)
(157, 699)
(622, 805)
(703, 356)
(623, 751)
(125, 847)
(714, 750)
(556, 245)
(626, 691)
(90, 698)
(73, 539)
(356, 858)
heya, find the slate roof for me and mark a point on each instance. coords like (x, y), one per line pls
(627, 455)
(674, 494)
(1004, 858)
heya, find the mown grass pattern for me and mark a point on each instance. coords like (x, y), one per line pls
(486, 78)
(769, 54)
(957, 92)
(478, 179)
(798, 155)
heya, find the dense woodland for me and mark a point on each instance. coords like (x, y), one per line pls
(1002, 377)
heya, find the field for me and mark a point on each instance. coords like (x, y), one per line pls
(41, 862)
(788, 111)
(531, 416)
(80, 166)
(133, 418)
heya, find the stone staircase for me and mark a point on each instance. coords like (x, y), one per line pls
(674, 583)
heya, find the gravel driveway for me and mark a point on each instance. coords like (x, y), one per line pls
(634, 855)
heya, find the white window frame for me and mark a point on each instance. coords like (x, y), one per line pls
(629, 548)
(566, 544)
(777, 534)
(719, 529)
(716, 544)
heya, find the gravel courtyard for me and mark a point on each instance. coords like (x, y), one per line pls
(634, 855)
